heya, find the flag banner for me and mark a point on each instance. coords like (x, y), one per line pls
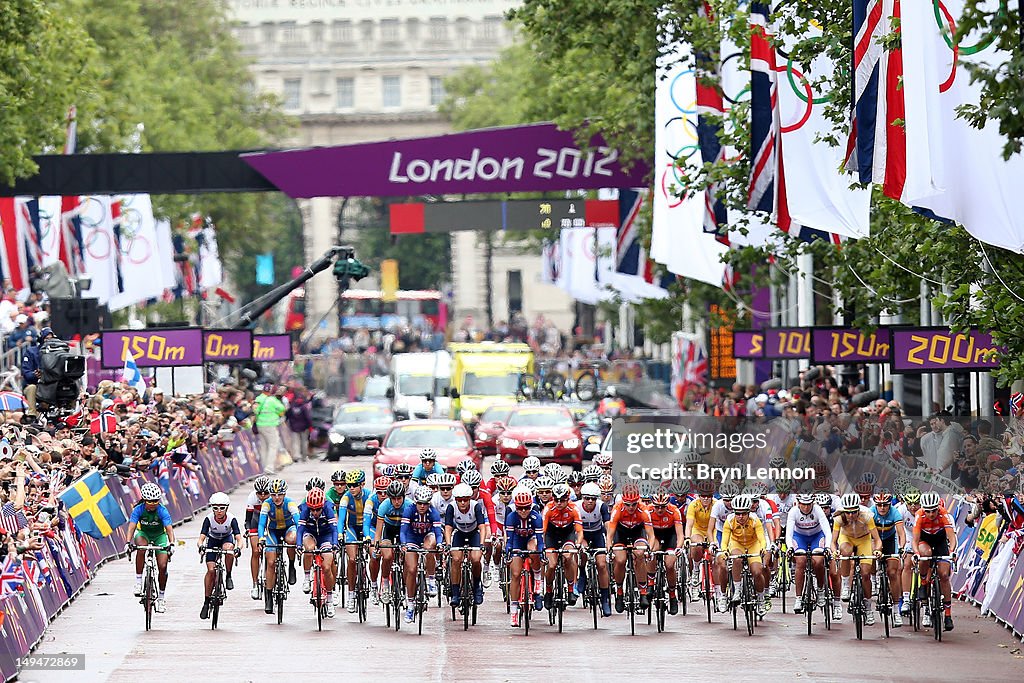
(28, 226)
(49, 229)
(634, 277)
(131, 374)
(689, 365)
(13, 259)
(137, 254)
(165, 255)
(551, 261)
(93, 507)
(588, 262)
(211, 270)
(100, 247)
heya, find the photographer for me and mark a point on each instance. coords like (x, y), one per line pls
(31, 373)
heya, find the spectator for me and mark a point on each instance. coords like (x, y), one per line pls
(940, 446)
(268, 411)
(299, 420)
(30, 375)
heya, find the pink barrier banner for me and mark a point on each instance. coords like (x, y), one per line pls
(72, 559)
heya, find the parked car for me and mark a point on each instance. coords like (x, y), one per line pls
(376, 389)
(489, 429)
(545, 432)
(406, 439)
(355, 425)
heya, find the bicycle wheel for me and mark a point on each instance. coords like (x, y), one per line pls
(915, 610)
(586, 386)
(593, 592)
(682, 583)
(422, 598)
(149, 600)
(318, 606)
(783, 580)
(808, 598)
(749, 604)
(630, 591)
(884, 598)
(706, 587)
(214, 613)
(280, 607)
(857, 604)
(937, 609)
(526, 607)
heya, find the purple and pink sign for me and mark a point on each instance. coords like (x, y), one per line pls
(166, 348)
(936, 349)
(747, 344)
(844, 345)
(532, 158)
(787, 343)
(227, 346)
(271, 347)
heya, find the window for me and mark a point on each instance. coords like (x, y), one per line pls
(366, 30)
(392, 91)
(320, 81)
(489, 31)
(269, 32)
(292, 93)
(389, 29)
(515, 291)
(290, 33)
(316, 32)
(439, 28)
(436, 90)
(412, 28)
(341, 32)
(346, 93)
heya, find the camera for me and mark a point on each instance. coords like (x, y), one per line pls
(59, 372)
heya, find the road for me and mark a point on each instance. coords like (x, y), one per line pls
(106, 623)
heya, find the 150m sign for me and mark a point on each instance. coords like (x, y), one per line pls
(153, 348)
(936, 349)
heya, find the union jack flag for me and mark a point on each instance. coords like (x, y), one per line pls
(1016, 403)
(28, 217)
(184, 471)
(764, 114)
(689, 365)
(630, 256)
(12, 576)
(711, 104)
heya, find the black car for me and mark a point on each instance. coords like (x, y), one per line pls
(354, 425)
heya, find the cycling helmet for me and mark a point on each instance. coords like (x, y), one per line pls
(759, 489)
(883, 498)
(630, 493)
(404, 469)
(679, 487)
(220, 498)
(381, 483)
(864, 488)
(278, 486)
(603, 459)
(610, 392)
(261, 485)
(575, 478)
(505, 484)
(339, 475)
(912, 496)
(428, 454)
(729, 490)
(850, 502)
(523, 499)
(315, 498)
(388, 471)
(544, 484)
(742, 503)
(151, 492)
(355, 477)
(661, 496)
(561, 492)
(531, 464)
(930, 500)
(315, 483)
(647, 490)
(463, 491)
(805, 498)
(396, 489)
(825, 500)
(590, 489)
(783, 486)
(559, 477)
(706, 487)
(606, 483)
(901, 485)
(432, 479)
(465, 466)
(472, 478)
(446, 479)
(530, 484)
(691, 458)
(551, 469)
(592, 473)
(500, 468)
(423, 494)
(777, 462)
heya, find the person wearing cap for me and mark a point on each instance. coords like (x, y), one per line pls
(22, 332)
(268, 412)
(159, 406)
(31, 373)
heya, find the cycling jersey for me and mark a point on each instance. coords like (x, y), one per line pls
(322, 527)
(370, 516)
(440, 504)
(800, 527)
(886, 524)
(748, 537)
(151, 524)
(275, 518)
(252, 512)
(720, 513)
(500, 510)
(350, 514)
(334, 496)
(630, 519)
(421, 473)
(783, 505)
(932, 526)
(489, 509)
(664, 518)
(391, 515)
(562, 517)
(519, 531)
(860, 526)
(701, 516)
(596, 519)
(468, 521)
(219, 532)
(416, 525)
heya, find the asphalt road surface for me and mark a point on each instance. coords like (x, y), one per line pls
(106, 624)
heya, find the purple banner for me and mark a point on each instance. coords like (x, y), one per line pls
(843, 345)
(153, 348)
(271, 347)
(529, 158)
(936, 349)
(747, 344)
(226, 346)
(787, 343)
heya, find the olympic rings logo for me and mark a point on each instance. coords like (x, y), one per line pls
(947, 27)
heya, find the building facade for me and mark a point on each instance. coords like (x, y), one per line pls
(363, 70)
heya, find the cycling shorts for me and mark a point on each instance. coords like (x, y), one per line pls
(391, 533)
(667, 538)
(629, 536)
(322, 540)
(595, 539)
(809, 543)
(861, 546)
(464, 539)
(746, 550)
(557, 536)
(889, 545)
(160, 539)
(216, 544)
(277, 536)
(937, 542)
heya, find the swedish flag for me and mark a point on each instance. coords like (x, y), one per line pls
(93, 507)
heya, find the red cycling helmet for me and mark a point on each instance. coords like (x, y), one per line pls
(505, 483)
(315, 498)
(706, 487)
(661, 497)
(523, 499)
(630, 493)
(381, 483)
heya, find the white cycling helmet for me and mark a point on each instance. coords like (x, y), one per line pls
(603, 459)
(930, 500)
(462, 491)
(423, 494)
(850, 502)
(805, 498)
(544, 483)
(531, 464)
(560, 476)
(729, 490)
(220, 498)
(742, 503)
(591, 489)
(151, 492)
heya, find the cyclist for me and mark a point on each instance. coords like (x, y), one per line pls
(591, 474)
(428, 465)
(505, 486)
(679, 495)
(403, 473)
(698, 519)
(563, 529)
(611, 405)
(544, 486)
(607, 486)
(854, 533)
(499, 469)
(351, 507)
(827, 502)
(595, 515)
(783, 500)
(889, 522)
(338, 488)
(380, 487)
(808, 530)
(465, 466)
(279, 516)
(387, 533)
(934, 535)
(220, 531)
(630, 525)
(443, 499)
(575, 482)
(524, 529)
(313, 482)
(152, 522)
(260, 492)
(318, 528)
(466, 526)
(668, 530)
(531, 467)
(911, 504)
(604, 460)
(720, 512)
(473, 479)
(743, 534)
(421, 528)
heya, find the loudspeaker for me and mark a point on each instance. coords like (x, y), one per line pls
(69, 317)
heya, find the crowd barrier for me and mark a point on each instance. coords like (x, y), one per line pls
(73, 561)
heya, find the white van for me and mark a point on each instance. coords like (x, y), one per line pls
(417, 381)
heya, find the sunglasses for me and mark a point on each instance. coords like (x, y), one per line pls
(404, 476)
(590, 498)
(631, 505)
(661, 506)
(446, 488)
(463, 500)
(524, 508)
(219, 507)
(423, 502)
